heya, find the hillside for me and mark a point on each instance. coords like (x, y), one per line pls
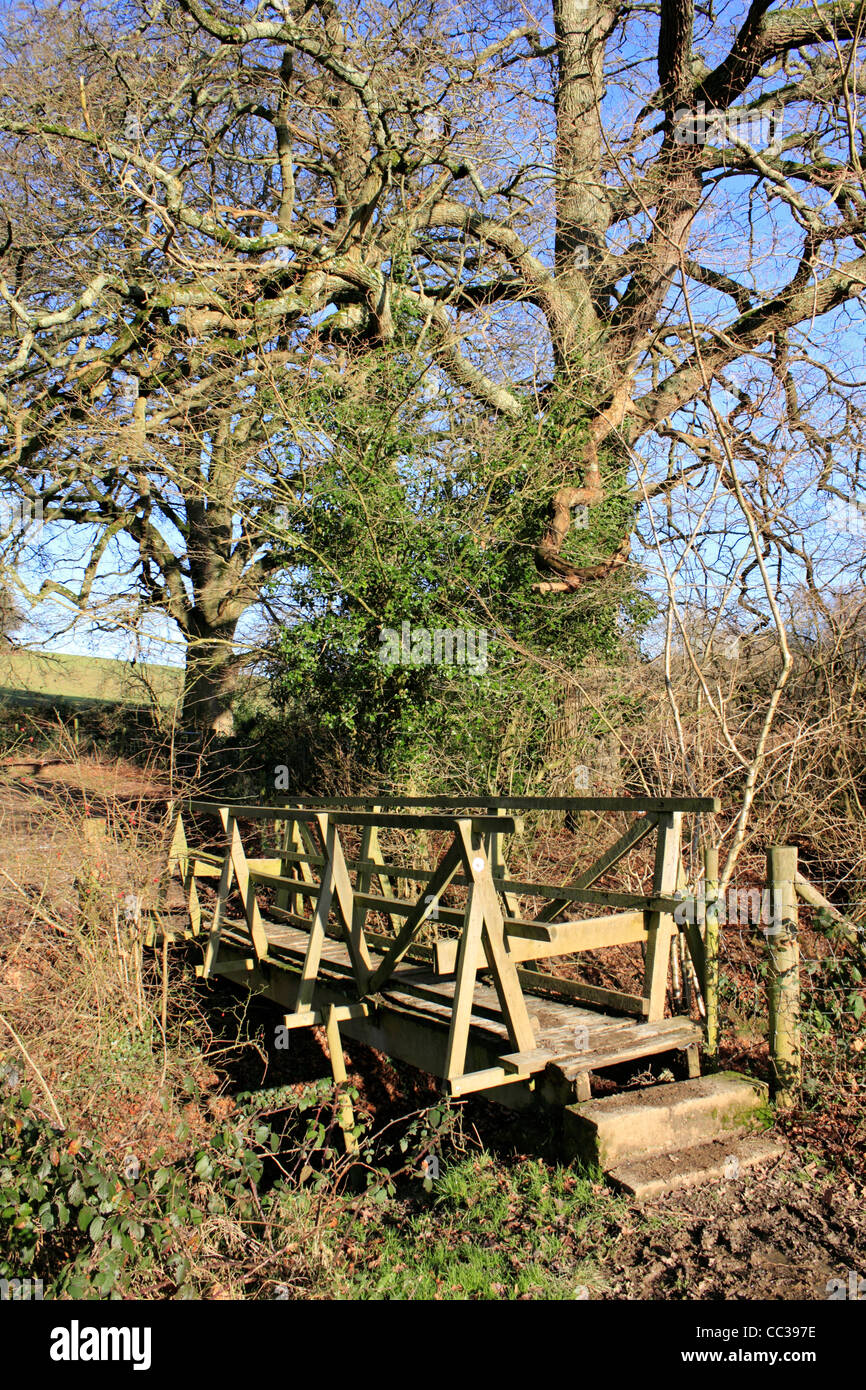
(28, 677)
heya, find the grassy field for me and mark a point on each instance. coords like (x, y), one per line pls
(28, 677)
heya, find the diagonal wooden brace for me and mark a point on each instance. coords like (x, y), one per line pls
(483, 930)
(636, 832)
(450, 864)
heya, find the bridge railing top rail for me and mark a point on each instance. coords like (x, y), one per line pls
(497, 804)
(380, 820)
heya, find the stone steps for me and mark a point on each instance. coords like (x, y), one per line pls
(716, 1161)
(674, 1135)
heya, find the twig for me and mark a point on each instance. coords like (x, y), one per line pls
(37, 911)
(31, 1062)
(163, 1010)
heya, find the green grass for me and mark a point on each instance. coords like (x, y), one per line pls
(489, 1230)
(37, 677)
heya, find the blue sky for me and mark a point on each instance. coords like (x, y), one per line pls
(745, 239)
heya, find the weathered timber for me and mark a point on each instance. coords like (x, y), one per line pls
(473, 1016)
(784, 977)
(661, 926)
(297, 886)
(481, 825)
(663, 804)
(652, 902)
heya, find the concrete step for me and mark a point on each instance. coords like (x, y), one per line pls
(664, 1118)
(719, 1160)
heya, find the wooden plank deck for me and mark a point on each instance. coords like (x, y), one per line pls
(571, 1040)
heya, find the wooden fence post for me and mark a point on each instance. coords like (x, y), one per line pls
(711, 955)
(661, 927)
(784, 980)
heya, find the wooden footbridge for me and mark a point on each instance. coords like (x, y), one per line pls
(435, 962)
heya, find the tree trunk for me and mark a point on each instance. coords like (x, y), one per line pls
(210, 682)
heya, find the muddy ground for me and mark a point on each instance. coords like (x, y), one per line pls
(778, 1234)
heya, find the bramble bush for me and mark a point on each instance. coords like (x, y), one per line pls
(261, 1188)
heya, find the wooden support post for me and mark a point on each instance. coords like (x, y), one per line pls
(194, 905)
(258, 936)
(180, 859)
(502, 966)
(227, 875)
(784, 979)
(711, 955)
(188, 878)
(364, 877)
(338, 1068)
(312, 959)
(661, 925)
(464, 988)
(289, 844)
(213, 941)
(499, 870)
(353, 924)
(178, 849)
(389, 883)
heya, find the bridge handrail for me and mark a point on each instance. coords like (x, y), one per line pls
(658, 805)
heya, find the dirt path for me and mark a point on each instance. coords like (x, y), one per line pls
(781, 1234)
